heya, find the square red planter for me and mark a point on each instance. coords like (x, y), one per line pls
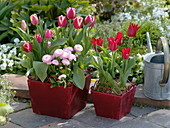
(113, 106)
(58, 101)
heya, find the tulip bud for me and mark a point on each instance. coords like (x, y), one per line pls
(49, 34)
(133, 28)
(23, 25)
(39, 38)
(34, 19)
(62, 21)
(78, 22)
(119, 38)
(125, 53)
(27, 47)
(90, 19)
(112, 44)
(71, 13)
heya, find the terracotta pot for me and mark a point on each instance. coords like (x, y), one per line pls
(58, 101)
(113, 106)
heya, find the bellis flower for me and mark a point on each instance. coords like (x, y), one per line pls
(47, 59)
(66, 62)
(62, 76)
(58, 52)
(55, 62)
(78, 48)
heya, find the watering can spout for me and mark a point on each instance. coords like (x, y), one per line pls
(149, 43)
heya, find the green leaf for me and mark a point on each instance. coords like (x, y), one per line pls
(78, 77)
(3, 35)
(5, 109)
(58, 42)
(40, 69)
(3, 28)
(21, 33)
(109, 78)
(25, 63)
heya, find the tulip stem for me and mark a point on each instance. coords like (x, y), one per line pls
(130, 41)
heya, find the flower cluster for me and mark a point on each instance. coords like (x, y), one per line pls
(9, 59)
(64, 55)
(57, 54)
(107, 60)
(77, 21)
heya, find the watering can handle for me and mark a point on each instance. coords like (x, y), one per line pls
(163, 42)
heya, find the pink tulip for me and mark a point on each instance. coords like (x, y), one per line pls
(27, 47)
(90, 19)
(23, 25)
(78, 22)
(71, 13)
(47, 59)
(39, 38)
(65, 62)
(34, 19)
(62, 21)
(49, 34)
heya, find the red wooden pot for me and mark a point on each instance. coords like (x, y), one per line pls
(113, 106)
(58, 101)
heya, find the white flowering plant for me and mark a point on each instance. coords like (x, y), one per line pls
(58, 55)
(10, 58)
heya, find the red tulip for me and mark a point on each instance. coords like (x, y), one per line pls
(112, 44)
(90, 19)
(98, 42)
(119, 39)
(78, 22)
(62, 21)
(71, 13)
(27, 47)
(125, 53)
(39, 38)
(133, 28)
(23, 25)
(34, 19)
(49, 34)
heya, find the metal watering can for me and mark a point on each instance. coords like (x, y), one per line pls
(156, 71)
